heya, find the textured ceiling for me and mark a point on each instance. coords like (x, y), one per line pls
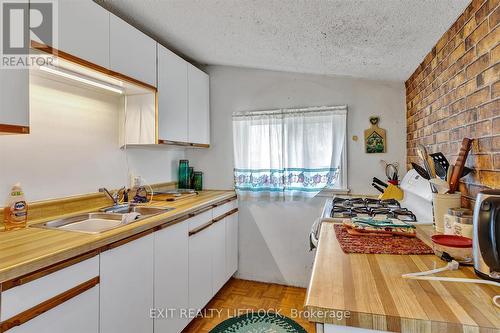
(376, 39)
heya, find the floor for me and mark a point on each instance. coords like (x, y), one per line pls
(241, 296)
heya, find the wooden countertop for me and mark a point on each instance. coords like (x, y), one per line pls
(27, 250)
(371, 289)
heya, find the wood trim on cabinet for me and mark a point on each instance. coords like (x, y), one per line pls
(183, 144)
(225, 201)
(6, 285)
(79, 61)
(223, 216)
(200, 228)
(49, 304)
(126, 240)
(201, 211)
(168, 224)
(14, 129)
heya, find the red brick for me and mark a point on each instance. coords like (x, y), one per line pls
(495, 143)
(496, 161)
(488, 76)
(495, 90)
(489, 110)
(482, 128)
(489, 41)
(490, 178)
(495, 54)
(477, 98)
(496, 125)
(483, 161)
(482, 12)
(495, 17)
(477, 66)
(476, 35)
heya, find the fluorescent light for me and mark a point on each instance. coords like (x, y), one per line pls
(80, 78)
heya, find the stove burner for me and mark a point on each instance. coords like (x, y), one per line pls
(380, 211)
(403, 214)
(352, 207)
(391, 203)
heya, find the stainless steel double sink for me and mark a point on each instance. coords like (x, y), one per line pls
(104, 220)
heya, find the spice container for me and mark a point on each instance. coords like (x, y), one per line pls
(441, 203)
(458, 221)
(453, 247)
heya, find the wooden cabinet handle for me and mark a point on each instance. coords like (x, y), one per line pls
(200, 228)
(49, 304)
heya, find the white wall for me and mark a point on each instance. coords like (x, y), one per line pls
(273, 235)
(73, 146)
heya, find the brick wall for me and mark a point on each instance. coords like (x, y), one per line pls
(455, 93)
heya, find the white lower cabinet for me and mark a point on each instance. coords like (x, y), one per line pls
(126, 297)
(200, 266)
(231, 245)
(80, 314)
(219, 255)
(171, 295)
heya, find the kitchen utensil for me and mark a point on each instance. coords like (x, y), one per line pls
(442, 161)
(422, 153)
(378, 188)
(465, 172)
(457, 247)
(421, 171)
(486, 235)
(449, 172)
(459, 164)
(391, 171)
(392, 192)
(379, 182)
(441, 185)
(431, 166)
(441, 203)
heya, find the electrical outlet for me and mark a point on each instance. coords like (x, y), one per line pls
(135, 181)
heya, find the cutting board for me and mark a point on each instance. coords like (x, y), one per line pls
(375, 138)
(173, 197)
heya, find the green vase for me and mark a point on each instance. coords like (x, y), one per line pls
(183, 174)
(198, 180)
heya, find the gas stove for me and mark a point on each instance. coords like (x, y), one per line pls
(348, 207)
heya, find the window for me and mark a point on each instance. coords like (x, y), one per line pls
(290, 151)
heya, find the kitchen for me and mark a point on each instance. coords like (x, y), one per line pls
(139, 88)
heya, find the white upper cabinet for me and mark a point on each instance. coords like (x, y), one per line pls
(172, 96)
(84, 31)
(131, 52)
(14, 101)
(198, 106)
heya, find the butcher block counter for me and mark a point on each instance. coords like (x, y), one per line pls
(367, 291)
(31, 249)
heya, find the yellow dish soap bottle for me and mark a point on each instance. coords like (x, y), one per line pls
(16, 209)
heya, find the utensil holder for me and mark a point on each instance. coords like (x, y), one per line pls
(441, 203)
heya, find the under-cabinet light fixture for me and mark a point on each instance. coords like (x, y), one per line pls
(80, 78)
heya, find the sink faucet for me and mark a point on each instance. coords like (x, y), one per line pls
(114, 196)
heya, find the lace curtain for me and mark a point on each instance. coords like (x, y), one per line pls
(288, 151)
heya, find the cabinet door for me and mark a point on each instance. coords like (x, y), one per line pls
(231, 245)
(14, 99)
(219, 255)
(84, 30)
(200, 268)
(199, 107)
(79, 314)
(171, 277)
(126, 296)
(172, 96)
(131, 52)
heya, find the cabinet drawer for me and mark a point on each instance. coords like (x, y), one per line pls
(222, 209)
(23, 297)
(200, 219)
